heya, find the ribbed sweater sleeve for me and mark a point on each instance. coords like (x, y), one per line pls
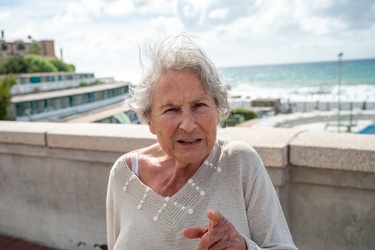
(268, 227)
(112, 213)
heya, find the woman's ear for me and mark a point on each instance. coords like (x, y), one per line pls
(151, 127)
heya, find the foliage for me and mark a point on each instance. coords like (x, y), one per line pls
(73, 67)
(3, 47)
(19, 64)
(35, 48)
(14, 65)
(61, 66)
(230, 121)
(37, 90)
(37, 64)
(84, 84)
(6, 84)
(233, 119)
(247, 113)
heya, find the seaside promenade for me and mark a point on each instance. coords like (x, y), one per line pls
(54, 181)
(354, 121)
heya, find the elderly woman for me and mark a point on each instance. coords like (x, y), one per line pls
(190, 190)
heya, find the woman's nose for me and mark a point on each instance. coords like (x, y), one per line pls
(188, 122)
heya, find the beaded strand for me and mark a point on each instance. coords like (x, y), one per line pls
(177, 205)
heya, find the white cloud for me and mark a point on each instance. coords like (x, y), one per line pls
(218, 13)
(166, 25)
(322, 26)
(119, 8)
(4, 15)
(103, 35)
(81, 11)
(155, 7)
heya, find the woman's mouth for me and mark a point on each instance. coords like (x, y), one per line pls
(189, 141)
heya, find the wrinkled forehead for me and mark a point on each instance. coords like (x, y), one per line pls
(177, 75)
(182, 85)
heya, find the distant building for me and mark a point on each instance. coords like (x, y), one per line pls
(22, 47)
(57, 96)
(63, 96)
(41, 82)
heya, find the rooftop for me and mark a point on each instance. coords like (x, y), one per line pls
(66, 92)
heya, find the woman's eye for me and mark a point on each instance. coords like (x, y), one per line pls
(199, 105)
(170, 110)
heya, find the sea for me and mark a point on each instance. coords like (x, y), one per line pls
(351, 80)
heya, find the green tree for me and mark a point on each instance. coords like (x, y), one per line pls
(3, 47)
(14, 65)
(61, 66)
(247, 113)
(37, 64)
(35, 48)
(19, 64)
(6, 84)
(73, 67)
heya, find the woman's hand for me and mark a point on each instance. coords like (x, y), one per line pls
(219, 234)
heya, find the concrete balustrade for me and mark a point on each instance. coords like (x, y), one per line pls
(54, 180)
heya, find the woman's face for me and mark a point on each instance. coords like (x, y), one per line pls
(183, 116)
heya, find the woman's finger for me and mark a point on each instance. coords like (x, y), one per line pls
(194, 232)
(215, 217)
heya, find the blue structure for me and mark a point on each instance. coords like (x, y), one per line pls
(369, 130)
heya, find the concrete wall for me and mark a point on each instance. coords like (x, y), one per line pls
(54, 179)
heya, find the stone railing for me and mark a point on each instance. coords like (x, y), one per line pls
(54, 180)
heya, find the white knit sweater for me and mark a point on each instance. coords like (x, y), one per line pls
(232, 180)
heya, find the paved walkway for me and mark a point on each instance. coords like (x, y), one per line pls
(315, 121)
(10, 243)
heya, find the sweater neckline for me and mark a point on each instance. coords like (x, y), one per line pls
(180, 204)
(206, 165)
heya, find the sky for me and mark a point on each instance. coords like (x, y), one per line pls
(104, 36)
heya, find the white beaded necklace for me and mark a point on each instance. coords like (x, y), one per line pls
(167, 200)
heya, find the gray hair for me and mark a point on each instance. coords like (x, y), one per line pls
(170, 54)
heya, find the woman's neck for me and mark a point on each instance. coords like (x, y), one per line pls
(163, 174)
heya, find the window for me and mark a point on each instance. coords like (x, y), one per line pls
(70, 101)
(35, 79)
(3, 46)
(24, 80)
(50, 78)
(23, 108)
(20, 46)
(39, 106)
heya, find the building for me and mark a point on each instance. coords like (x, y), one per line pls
(22, 47)
(38, 82)
(58, 96)
(62, 96)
